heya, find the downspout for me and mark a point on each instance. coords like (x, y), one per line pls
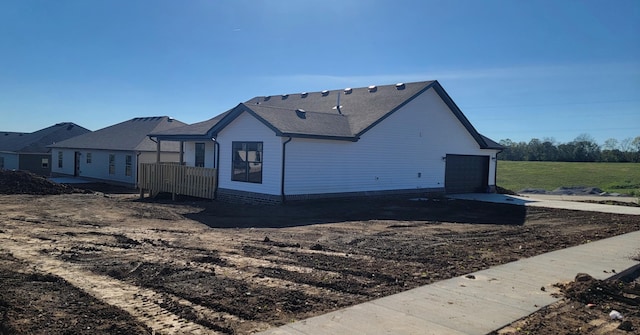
(181, 152)
(495, 173)
(284, 156)
(157, 148)
(216, 162)
(138, 169)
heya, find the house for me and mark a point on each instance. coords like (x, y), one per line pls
(29, 152)
(403, 138)
(112, 154)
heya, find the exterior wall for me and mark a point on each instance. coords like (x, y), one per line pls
(33, 163)
(10, 160)
(98, 169)
(209, 153)
(403, 152)
(246, 128)
(151, 157)
(67, 162)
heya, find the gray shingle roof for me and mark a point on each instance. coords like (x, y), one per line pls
(196, 130)
(316, 114)
(38, 141)
(364, 107)
(129, 135)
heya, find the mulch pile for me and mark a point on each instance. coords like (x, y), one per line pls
(23, 182)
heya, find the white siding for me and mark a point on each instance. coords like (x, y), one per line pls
(190, 153)
(246, 128)
(403, 151)
(67, 161)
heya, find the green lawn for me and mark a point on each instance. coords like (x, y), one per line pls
(610, 177)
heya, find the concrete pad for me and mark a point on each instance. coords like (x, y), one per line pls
(498, 287)
(541, 202)
(464, 313)
(69, 180)
(369, 318)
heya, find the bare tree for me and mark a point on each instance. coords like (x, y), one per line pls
(610, 144)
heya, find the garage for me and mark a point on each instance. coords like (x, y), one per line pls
(466, 174)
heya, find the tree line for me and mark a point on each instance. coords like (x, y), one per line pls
(582, 149)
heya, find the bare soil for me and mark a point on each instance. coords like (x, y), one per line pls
(91, 263)
(588, 307)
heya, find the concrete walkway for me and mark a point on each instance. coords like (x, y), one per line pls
(549, 203)
(477, 304)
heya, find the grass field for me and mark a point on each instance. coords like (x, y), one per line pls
(610, 177)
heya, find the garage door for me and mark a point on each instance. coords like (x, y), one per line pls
(466, 174)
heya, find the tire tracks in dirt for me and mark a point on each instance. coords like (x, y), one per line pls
(140, 302)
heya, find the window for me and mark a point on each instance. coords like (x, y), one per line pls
(200, 154)
(88, 158)
(60, 159)
(127, 166)
(247, 162)
(112, 164)
(45, 163)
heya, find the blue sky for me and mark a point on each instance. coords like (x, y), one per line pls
(517, 69)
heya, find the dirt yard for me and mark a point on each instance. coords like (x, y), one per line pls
(91, 263)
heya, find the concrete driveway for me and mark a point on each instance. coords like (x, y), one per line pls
(560, 202)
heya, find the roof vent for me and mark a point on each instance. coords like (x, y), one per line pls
(284, 96)
(348, 90)
(267, 98)
(301, 113)
(325, 93)
(373, 88)
(400, 86)
(304, 94)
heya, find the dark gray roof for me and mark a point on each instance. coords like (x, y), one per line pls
(364, 107)
(129, 135)
(317, 115)
(195, 131)
(38, 141)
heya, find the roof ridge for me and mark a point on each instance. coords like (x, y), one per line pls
(294, 109)
(343, 89)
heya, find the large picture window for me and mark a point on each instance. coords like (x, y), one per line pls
(200, 154)
(247, 162)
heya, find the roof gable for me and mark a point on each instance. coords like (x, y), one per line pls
(129, 135)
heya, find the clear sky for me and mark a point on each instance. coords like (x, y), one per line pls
(517, 69)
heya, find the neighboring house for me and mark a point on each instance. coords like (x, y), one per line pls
(29, 152)
(403, 138)
(112, 154)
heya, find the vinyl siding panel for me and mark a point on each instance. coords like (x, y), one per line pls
(67, 161)
(246, 128)
(190, 153)
(404, 151)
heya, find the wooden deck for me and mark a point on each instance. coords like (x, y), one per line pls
(177, 180)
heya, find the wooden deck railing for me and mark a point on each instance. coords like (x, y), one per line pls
(177, 179)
